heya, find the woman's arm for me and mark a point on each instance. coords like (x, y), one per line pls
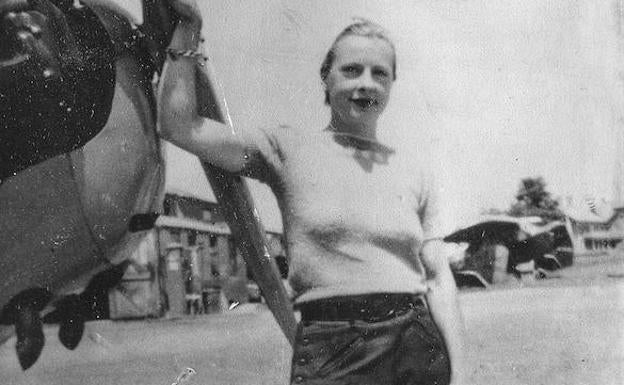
(443, 305)
(436, 221)
(180, 123)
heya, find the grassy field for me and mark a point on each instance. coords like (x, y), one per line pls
(565, 330)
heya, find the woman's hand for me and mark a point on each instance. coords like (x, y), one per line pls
(187, 35)
(188, 11)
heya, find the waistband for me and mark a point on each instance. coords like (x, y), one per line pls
(368, 308)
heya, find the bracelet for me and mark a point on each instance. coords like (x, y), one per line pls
(175, 54)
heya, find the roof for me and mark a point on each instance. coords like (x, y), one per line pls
(581, 212)
(184, 176)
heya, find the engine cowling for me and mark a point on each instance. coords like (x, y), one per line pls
(57, 80)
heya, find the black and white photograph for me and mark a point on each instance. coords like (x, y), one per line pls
(371, 192)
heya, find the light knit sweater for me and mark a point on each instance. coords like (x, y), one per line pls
(354, 220)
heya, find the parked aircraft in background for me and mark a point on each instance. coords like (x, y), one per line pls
(526, 239)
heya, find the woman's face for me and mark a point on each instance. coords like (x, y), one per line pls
(360, 78)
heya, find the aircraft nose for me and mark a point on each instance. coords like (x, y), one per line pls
(27, 46)
(9, 44)
(13, 6)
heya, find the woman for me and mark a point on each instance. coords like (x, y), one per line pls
(375, 292)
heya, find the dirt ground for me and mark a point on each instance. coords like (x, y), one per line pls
(565, 330)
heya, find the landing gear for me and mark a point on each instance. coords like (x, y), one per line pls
(23, 312)
(72, 311)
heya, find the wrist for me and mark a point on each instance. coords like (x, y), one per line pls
(192, 25)
(186, 37)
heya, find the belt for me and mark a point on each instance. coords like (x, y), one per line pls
(368, 308)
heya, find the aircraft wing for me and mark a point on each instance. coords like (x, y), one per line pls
(501, 232)
(525, 239)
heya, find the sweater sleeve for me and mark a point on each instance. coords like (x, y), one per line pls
(435, 215)
(265, 158)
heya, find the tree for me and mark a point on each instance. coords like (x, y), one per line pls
(532, 199)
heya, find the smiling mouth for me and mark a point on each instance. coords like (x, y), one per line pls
(365, 103)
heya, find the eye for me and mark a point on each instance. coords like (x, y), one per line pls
(381, 73)
(351, 70)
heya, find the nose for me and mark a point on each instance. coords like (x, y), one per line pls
(366, 81)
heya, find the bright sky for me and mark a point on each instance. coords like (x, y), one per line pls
(487, 92)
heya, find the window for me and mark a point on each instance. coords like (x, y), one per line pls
(234, 258)
(174, 235)
(192, 238)
(168, 206)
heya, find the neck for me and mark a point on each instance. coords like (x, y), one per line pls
(360, 137)
(366, 130)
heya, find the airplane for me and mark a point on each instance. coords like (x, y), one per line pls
(80, 157)
(526, 239)
(81, 169)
